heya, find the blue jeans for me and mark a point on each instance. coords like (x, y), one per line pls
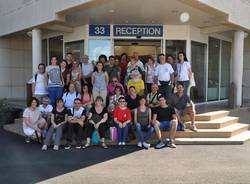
(122, 133)
(143, 136)
(54, 93)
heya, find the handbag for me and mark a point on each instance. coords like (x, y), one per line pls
(113, 134)
(95, 137)
(192, 81)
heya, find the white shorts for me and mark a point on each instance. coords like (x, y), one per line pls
(28, 131)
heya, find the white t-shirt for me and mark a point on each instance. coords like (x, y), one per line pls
(77, 113)
(69, 98)
(163, 71)
(47, 109)
(40, 84)
(33, 115)
(182, 71)
(86, 69)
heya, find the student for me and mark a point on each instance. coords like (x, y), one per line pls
(32, 120)
(65, 74)
(143, 123)
(76, 118)
(86, 98)
(58, 119)
(164, 119)
(97, 119)
(39, 83)
(75, 76)
(70, 96)
(122, 117)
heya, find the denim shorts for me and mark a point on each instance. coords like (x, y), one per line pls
(165, 125)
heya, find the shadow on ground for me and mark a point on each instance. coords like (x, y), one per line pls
(26, 163)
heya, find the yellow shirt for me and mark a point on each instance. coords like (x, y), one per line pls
(139, 86)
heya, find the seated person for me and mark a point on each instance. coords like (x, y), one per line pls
(122, 117)
(183, 106)
(137, 82)
(76, 117)
(46, 109)
(32, 120)
(132, 98)
(111, 86)
(58, 119)
(164, 119)
(153, 97)
(70, 96)
(114, 99)
(97, 119)
(142, 120)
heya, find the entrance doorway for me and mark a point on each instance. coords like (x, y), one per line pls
(144, 48)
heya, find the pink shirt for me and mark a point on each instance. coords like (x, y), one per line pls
(111, 88)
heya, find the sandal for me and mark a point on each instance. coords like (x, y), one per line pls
(104, 145)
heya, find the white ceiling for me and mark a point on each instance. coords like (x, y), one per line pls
(138, 12)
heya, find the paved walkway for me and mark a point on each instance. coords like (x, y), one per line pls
(26, 163)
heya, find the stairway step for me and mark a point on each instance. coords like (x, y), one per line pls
(211, 115)
(214, 124)
(234, 140)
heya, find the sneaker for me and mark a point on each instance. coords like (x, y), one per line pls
(123, 143)
(160, 145)
(68, 146)
(87, 144)
(119, 143)
(146, 145)
(104, 145)
(171, 145)
(78, 146)
(193, 127)
(44, 148)
(56, 148)
(27, 139)
(139, 144)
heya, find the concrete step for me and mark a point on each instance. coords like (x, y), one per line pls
(234, 140)
(225, 132)
(211, 115)
(214, 124)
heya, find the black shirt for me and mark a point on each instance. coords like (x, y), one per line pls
(132, 103)
(97, 117)
(59, 117)
(164, 114)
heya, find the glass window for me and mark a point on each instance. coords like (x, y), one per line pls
(56, 47)
(198, 93)
(175, 46)
(76, 48)
(213, 69)
(98, 47)
(225, 69)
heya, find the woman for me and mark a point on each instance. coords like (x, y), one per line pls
(122, 117)
(97, 119)
(58, 119)
(132, 98)
(100, 81)
(65, 73)
(114, 98)
(150, 71)
(184, 72)
(137, 82)
(86, 98)
(123, 65)
(55, 81)
(132, 67)
(70, 95)
(32, 120)
(142, 119)
(75, 76)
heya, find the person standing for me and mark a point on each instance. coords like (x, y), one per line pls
(87, 70)
(164, 76)
(112, 69)
(75, 76)
(65, 74)
(55, 81)
(149, 73)
(100, 81)
(123, 65)
(184, 72)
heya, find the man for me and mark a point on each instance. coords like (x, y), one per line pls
(69, 59)
(153, 97)
(183, 106)
(164, 75)
(75, 123)
(164, 119)
(39, 83)
(112, 69)
(70, 96)
(111, 86)
(87, 70)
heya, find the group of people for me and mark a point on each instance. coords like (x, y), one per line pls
(78, 99)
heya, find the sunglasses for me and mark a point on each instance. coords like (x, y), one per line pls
(122, 101)
(114, 81)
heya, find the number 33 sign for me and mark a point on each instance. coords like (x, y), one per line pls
(99, 30)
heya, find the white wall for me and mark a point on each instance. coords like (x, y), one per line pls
(15, 66)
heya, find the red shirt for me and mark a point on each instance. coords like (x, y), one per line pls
(122, 115)
(123, 65)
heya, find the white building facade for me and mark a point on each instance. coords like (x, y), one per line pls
(215, 38)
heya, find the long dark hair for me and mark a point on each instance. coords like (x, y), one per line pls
(96, 70)
(184, 54)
